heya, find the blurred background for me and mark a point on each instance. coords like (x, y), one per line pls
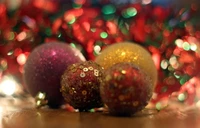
(168, 29)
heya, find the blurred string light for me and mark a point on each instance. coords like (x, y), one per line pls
(146, 1)
(70, 18)
(97, 49)
(21, 36)
(10, 36)
(109, 9)
(21, 59)
(104, 35)
(164, 64)
(12, 4)
(191, 44)
(179, 42)
(186, 46)
(156, 59)
(190, 92)
(112, 27)
(193, 47)
(29, 22)
(47, 5)
(129, 12)
(3, 64)
(78, 3)
(8, 86)
(181, 97)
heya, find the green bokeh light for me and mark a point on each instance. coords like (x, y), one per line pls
(124, 31)
(129, 12)
(72, 20)
(74, 5)
(10, 53)
(104, 35)
(59, 35)
(158, 106)
(11, 36)
(73, 45)
(108, 9)
(176, 75)
(164, 64)
(48, 31)
(184, 79)
(186, 46)
(92, 110)
(181, 97)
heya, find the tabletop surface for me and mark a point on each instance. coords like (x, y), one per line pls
(48, 118)
(21, 113)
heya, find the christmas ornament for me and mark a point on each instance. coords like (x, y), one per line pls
(171, 35)
(80, 85)
(125, 89)
(44, 67)
(128, 52)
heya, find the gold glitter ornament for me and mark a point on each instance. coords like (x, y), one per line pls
(128, 52)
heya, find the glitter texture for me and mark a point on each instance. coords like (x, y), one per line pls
(128, 52)
(44, 68)
(125, 94)
(86, 84)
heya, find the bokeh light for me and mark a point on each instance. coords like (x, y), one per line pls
(146, 1)
(8, 86)
(21, 59)
(129, 12)
(109, 9)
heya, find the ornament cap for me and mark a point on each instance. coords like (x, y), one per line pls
(40, 100)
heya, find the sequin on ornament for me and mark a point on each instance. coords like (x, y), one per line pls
(84, 92)
(82, 75)
(85, 69)
(90, 68)
(86, 85)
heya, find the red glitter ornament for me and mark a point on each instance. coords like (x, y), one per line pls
(125, 89)
(80, 85)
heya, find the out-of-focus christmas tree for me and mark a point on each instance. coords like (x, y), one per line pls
(168, 29)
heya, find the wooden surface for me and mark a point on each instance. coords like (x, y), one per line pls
(20, 113)
(47, 118)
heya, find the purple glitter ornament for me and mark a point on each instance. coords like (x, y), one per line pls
(44, 68)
